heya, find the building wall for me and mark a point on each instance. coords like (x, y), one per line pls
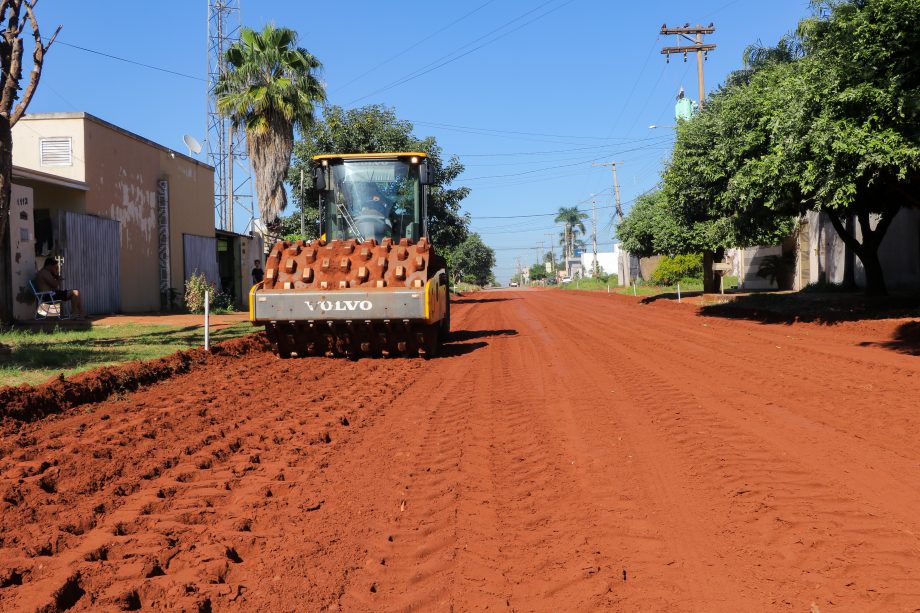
(28, 132)
(606, 260)
(191, 208)
(899, 252)
(22, 254)
(121, 171)
(746, 262)
(122, 185)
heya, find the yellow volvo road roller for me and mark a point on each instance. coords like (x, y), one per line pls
(372, 284)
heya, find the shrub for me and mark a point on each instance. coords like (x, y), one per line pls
(195, 288)
(672, 270)
(222, 302)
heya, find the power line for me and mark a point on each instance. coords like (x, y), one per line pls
(435, 65)
(413, 46)
(135, 62)
(517, 132)
(475, 217)
(633, 90)
(548, 152)
(554, 167)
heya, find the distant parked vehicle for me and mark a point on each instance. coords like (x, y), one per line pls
(566, 279)
(513, 284)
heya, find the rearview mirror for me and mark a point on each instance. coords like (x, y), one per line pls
(319, 178)
(423, 173)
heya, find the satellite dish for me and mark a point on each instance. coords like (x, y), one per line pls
(193, 145)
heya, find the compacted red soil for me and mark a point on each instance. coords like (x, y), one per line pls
(571, 452)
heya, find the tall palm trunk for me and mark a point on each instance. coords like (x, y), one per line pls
(270, 154)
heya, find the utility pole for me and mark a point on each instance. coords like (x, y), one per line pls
(624, 272)
(710, 283)
(616, 186)
(701, 49)
(303, 229)
(552, 253)
(595, 268)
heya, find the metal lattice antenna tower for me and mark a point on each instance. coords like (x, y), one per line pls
(226, 146)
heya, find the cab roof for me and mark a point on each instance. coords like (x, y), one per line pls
(368, 156)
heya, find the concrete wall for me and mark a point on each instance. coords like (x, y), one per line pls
(648, 265)
(899, 252)
(191, 207)
(22, 255)
(746, 262)
(121, 171)
(606, 260)
(28, 132)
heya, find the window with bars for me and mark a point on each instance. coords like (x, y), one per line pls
(56, 151)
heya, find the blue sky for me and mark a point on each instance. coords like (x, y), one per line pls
(529, 94)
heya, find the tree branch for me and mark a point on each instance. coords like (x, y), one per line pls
(38, 58)
(848, 239)
(887, 216)
(13, 70)
(909, 197)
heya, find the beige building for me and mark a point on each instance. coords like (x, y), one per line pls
(121, 210)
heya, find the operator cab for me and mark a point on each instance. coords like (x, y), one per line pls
(372, 195)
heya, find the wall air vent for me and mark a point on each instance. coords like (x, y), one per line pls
(56, 151)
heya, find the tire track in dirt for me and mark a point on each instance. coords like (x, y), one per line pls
(751, 470)
(570, 452)
(484, 525)
(159, 522)
(658, 548)
(829, 412)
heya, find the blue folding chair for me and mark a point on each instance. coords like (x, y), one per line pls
(46, 306)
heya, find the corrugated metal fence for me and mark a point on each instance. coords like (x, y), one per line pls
(201, 256)
(91, 249)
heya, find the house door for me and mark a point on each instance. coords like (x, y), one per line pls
(91, 247)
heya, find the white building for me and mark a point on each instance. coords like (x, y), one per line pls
(606, 260)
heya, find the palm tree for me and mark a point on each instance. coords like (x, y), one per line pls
(574, 223)
(270, 87)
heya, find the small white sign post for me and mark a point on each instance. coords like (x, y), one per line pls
(207, 327)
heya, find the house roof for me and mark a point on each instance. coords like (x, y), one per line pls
(27, 174)
(111, 126)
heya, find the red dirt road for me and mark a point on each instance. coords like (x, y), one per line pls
(572, 452)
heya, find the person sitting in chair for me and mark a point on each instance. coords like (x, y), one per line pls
(49, 279)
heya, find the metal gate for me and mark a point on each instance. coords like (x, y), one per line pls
(201, 256)
(91, 248)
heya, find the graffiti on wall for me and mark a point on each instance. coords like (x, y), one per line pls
(163, 235)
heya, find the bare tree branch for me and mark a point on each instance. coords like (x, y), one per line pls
(12, 64)
(38, 58)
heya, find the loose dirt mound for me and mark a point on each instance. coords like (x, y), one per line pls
(27, 402)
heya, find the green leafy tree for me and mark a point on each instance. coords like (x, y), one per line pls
(653, 227)
(673, 270)
(847, 128)
(538, 272)
(288, 227)
(472, 261)
(374, 129)
(825, 122)
(704, 187)
(269, 88)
